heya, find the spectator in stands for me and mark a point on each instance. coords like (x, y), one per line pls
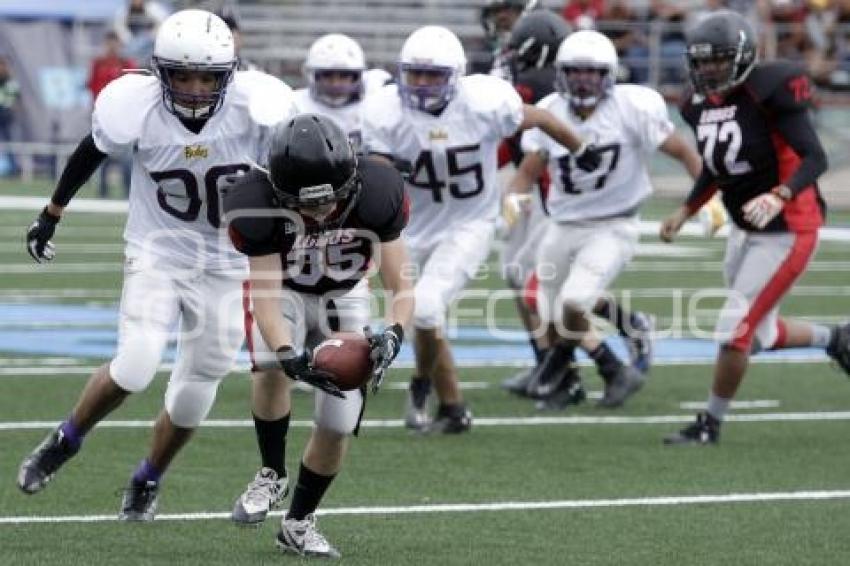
(618, 23)
(105, 69)
(9, 91)
(789, 16)
(136, 24)
(583, 14)
(840, 77)
(820, 22)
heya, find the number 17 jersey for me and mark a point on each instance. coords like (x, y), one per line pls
(454, 153)
(627, 126)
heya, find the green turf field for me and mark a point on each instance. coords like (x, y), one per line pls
(583, 487)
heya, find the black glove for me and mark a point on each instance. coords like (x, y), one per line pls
(587, 157)
(39, 233)
(385, 347)
(403, 166)
(297, 366)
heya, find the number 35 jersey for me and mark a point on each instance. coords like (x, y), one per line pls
(627, 127)
(454, 154)
(174, 215)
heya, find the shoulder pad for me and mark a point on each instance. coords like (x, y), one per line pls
(374, 79)
(486, 93)
(383, 106)
(778, 79)
(249, 205)
(640, 98)
(123, 106)
(382, 206)
(268, 99)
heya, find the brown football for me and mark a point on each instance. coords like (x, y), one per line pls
(345, 355)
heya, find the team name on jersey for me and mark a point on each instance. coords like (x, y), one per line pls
(330, 238)
(195, 152)
(438, 134)
(713, 115)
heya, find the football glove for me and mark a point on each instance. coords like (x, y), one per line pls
(514, 207)
(385, 347)
(759, 211)
(712, 217)
(297, 366)
(39, 233)
(587, 157)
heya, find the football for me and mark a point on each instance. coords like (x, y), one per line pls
(345, 355)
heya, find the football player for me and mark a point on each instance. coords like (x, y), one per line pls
(533, 45)
(594, 231)
(449, 127)
(760, 149)
(337, 82)
(311, 227)
(498, 18)
(192, 123)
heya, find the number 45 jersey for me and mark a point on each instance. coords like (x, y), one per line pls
(627, 127)
(454, 154)
(174, 216)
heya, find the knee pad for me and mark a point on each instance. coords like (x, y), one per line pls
(430, 309)
(133, 369)
(577, 299)
(340, 416)
(188, 402)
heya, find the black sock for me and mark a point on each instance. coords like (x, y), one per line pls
(271, 438)
(612, 312)
(309, 490)
(606, 361)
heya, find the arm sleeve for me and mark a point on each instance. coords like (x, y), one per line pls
(798, 131)
(83, 162)
(704, 188)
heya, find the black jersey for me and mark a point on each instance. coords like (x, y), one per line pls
(318, 262)
(759, 136)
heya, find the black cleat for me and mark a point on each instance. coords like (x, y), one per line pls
(451, 419)
(570, 391)
(625, 383)
(518, 383)
(704, 430)
(41, 465)
(550, 372)
(839, 347)
(139, 501)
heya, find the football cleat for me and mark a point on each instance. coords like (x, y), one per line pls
(451, 419)
(625, 383)
(416, 413)
(839, 347)
(639, 341)
(550, 372)
(518, 383)
(704, 430)
(263, 494)
(139, 501)
(302, 538)
(41, 465)
(570, 391)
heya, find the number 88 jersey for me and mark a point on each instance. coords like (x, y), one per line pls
(454, 154)
(174, 215)
(626, 126)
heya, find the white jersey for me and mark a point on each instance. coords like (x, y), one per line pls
(174, 212)
(347, 117)
(454, 159)
(627, 127)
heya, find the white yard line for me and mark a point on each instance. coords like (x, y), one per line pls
(660, 501)
(575, 420)
(755, 404)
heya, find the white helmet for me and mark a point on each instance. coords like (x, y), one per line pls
(193, 40)
(583, 50)
(431, 49)
(337, 53)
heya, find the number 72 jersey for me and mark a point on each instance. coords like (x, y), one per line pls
(454, 154)
(627, 126)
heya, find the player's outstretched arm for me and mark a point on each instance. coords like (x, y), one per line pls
(679, 149)
(81, 165)
(585, 155)
(517, 200)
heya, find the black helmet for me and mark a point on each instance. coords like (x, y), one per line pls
(311, 163)
(721, 52)
(535, 39)
(489, 10)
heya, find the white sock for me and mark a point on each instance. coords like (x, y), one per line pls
(821, 335)
(717, 406)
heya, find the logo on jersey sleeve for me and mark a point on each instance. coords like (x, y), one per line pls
(196, 151)
(801, 88)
